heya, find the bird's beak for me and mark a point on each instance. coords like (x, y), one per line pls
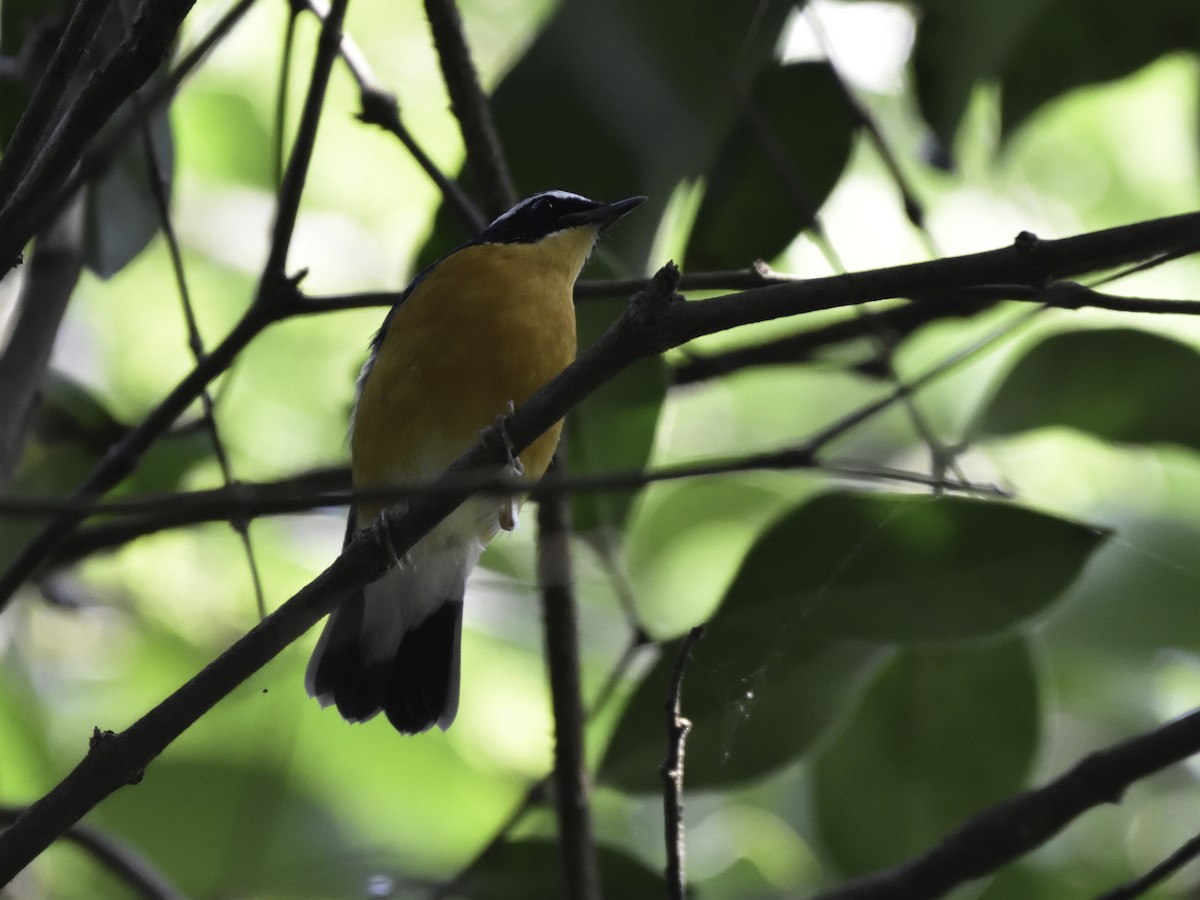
(602, 216)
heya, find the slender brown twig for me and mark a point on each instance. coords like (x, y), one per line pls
(380, 107)
(672, 770)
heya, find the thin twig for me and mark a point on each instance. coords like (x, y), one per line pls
(131, 869)
(380, 107)
(897, 322)
(296, 174)
(577, 844)
(1160, 873)
(672, 770)
(324, 488)
(1012, 828)
(158, 180)
(485, 165)
(793, 182)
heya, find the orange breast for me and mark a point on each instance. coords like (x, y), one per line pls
(491, 324)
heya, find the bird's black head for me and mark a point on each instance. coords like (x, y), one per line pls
(549, 212)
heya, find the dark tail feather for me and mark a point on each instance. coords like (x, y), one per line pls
(337, 671)
(421, 688)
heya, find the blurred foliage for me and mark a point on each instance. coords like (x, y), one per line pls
(878, 665)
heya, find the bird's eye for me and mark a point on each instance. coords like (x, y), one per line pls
(542, 205)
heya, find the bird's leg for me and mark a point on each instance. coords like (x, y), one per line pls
(509, 508)
(383, 535)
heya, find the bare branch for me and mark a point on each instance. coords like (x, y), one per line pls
(1012, 828)
(141, 877)
(485, 165)
(1156, 876)
(536, 792)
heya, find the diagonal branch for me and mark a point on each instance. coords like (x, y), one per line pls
(1012, 828)
(485, 164)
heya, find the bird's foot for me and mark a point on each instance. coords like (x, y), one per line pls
(383, 534)
(515, 466)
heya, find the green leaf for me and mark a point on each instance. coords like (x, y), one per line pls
(121, 216)
(960, 43)
(530, 869)
(614, 428)
(775, 169)
(1118, 384)
(752, 711)
(632, 97)
(909, 567)
(224, 136)
(1071, 43)
(1036, 50)
(939, 735)
(814, 608)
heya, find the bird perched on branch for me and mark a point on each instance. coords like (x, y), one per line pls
(476, 332)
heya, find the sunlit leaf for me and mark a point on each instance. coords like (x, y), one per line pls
(1071, 43)
(1118, 384)
(1036, 51)
(938, 735)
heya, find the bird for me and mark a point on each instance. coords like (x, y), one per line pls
(474, 334)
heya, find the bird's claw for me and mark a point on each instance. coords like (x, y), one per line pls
(383, 534)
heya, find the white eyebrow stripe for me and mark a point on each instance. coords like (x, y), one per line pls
(561, 195)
